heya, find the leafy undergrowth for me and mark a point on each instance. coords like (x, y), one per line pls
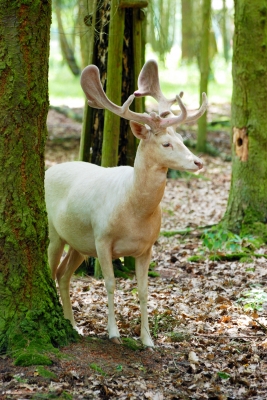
(208, 317)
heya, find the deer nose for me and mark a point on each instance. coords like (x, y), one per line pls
(199, 164)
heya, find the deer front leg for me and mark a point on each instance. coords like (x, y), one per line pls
(141, 270)
(105, 260)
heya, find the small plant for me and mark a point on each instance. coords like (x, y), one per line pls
(151, 271)
(253, 299)
(222, 242)
(45, 373)
(97, 369)
(223, 375)
(20, 379)
(132, 344)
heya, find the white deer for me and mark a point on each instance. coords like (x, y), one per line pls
(115, 212)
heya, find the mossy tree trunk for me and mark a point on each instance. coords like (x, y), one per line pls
(111, 136)
(31, 318)
(247, 204)
(204, 66)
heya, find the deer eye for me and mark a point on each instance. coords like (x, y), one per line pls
(166, 144)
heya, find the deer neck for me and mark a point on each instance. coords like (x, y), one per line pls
(148, 184)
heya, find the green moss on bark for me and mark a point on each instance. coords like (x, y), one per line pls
(31, 318)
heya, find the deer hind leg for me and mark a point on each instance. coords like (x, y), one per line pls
(105, 260)
(141, 270)
(55, 250)
(67, 267)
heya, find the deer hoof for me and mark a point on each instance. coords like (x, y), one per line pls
(116, 340)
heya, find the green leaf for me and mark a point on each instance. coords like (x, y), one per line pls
(223, 375)
(98, 369)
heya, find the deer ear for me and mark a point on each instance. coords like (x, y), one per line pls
(139, 131)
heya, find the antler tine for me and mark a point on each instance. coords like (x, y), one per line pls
(90, 82)
(91, 85)
(197, 114)
(148, 85)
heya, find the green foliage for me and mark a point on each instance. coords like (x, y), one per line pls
(173, 233)
(132, 344)
(151, 271)
(27, 358)
(19, 379)
(221, 244)
(221, 240)
(97, 369)
(223, 375)
(45, 373)
(253, 299)
(126, 268)
(251, 226)
(123, 268)
(196, 258)
(153, 274)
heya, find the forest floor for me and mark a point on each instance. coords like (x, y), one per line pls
(207, 307)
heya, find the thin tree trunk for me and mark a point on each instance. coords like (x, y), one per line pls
(67, 51)
(247, 204)
(226, 44)
(87, 24)
(114, 85)
(204, 72)
(188, 32)
(31, 318)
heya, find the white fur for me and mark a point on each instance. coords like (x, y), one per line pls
(112, 212)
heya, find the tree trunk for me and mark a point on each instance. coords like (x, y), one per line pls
(161, 26)
(204, 72)
(87, 26)
(188, 31)
(114, 86)
(93, 122)
(66, 50)
(226, 41)
(31, 318)
(247, 204)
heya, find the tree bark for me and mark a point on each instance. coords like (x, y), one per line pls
(247, 204)
(204, 72)
(31, 318)
(87, 26)
(114, 86)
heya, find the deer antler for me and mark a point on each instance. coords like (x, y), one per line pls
(90, 82)
(148, 85)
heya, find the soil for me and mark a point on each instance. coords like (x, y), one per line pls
(207, 317)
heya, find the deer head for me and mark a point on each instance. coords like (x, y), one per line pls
(155, 129)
